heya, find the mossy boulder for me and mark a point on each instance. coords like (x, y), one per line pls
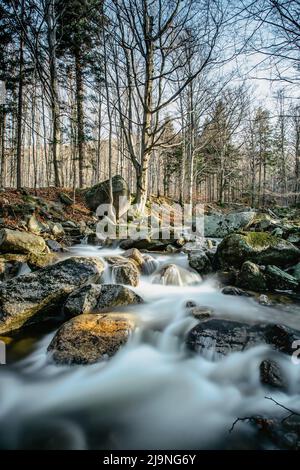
(32, 298)
(15, 241)
(258, 247)
(97, 297)
(250, 277)
(87, 339)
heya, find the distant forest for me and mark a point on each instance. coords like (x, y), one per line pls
(162, 92)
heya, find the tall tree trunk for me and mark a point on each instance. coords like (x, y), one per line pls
(20, 101)
(2, 146)
(80, 116)
(52, 44)
(146, 137)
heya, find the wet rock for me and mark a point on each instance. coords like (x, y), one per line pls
(117, 260)
(135, 255)
(88, 338)
(258, 247)
(220, 225)
(280, 433)
(34, 297)
(144, 244)
(201, 313)
(99, 194)
(54, 246)
(190, 304)
(264, 300)
(231, 290)
(200, 262)
(96, 297)
(217, 338)
(282, 338)
(150, 265)
(280, 280)
(126, 273)
(272, 375)
(14, 241)
(173, 275)
(251, 277)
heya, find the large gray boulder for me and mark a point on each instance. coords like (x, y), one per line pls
(88, 338)
(220, 225)
(15, 241)
(99, 194)
(96, 297)
(258, 247)
(32, 297)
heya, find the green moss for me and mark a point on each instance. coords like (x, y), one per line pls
(260, 239)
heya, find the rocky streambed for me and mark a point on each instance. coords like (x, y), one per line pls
(152, 344)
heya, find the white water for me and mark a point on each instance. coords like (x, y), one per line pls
(152, 393)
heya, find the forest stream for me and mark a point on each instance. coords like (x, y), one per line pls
(154, 392)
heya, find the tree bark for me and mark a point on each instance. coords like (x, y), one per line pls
(80, 116)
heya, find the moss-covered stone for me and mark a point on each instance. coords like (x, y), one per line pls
(258, 247)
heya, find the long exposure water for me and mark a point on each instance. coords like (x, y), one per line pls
(153, 394)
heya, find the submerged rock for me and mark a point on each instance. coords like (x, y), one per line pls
(32, 297)
(258, 247)
(96, 297)
(150, 265)
(14, 241)
(173, 275)
(217, 338)
(264, 300)
(88, 338)
(231, 290)
(201, 313)
(271, 375)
